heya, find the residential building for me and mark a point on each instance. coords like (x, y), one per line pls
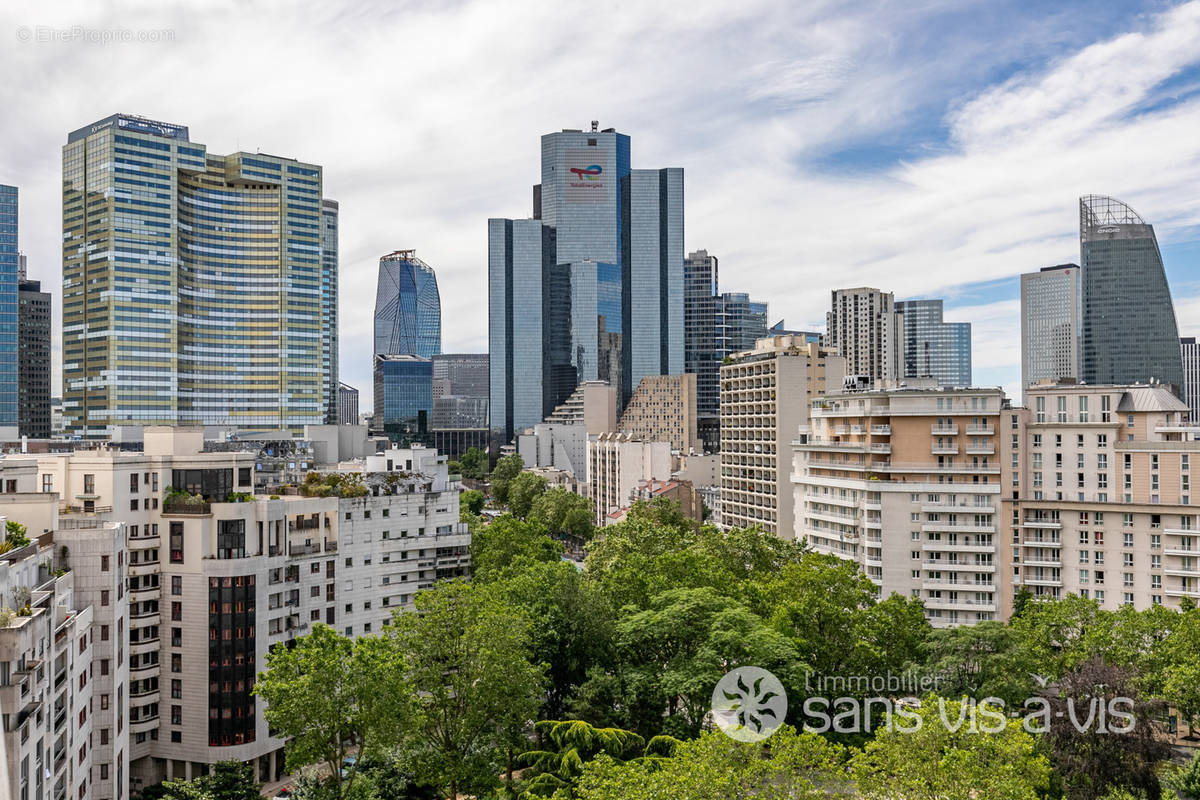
(766, 394)
(46, 663)
(864, 328)
(1129, 334)
(592, 405)
(347, 405)
(403, 393)
(9, 271)
(1106, 506)
(33, 354)
(906, 482)
(191, 283)
(931, 348)
(329, 309)
(663, 409)
(589, 289)
(1051, 304)
(197, 551)
(408, 308)
(561, 441)
(1190, 354)
(617, 463)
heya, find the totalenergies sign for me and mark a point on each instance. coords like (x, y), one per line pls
(586, 180)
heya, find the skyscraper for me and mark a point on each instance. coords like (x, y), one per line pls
(1050, 309)
(931, 348)
(702, 351)
(9, 267)
(460, 391)
(1190, 352)
(329, 308)
(347, 405)
(862, 324)
(33, 348)
(1129, 331)
(403, 393)
(408, 308)
(191, 283)
(592, 287)
(742, 323)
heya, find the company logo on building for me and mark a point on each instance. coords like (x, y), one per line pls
(588, 173)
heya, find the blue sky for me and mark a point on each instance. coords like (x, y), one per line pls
(931, 149)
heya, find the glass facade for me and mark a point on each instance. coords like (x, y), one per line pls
(408, 308)
(460, 390)
(201, 302)
(932, 348)
(742, 323)
(34, 363)
(403, 392)
(9, 265)
(1129, 334)
(701, 349)
(1050, 312)
(329, 308)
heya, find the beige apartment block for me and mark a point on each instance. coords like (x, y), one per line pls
(906, 482)
(663, 408)
(1103, 504)
(617, 463)
(766, 394)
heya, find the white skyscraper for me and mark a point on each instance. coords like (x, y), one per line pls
(864, 327)
(1191, 375)
(1050, 313)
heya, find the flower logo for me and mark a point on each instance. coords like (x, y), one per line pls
(749, 704)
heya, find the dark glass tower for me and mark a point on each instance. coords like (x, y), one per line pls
(1129, 333)
(931, 348)
(408, 309)
(329, 309)
(34, 348)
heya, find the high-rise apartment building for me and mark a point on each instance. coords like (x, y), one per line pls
(591, 288)
(1129, 334)
(9, 269)
(765, 398)
(864, 327)
(1051, 305)
(33, 351)
(906, 482)
(663, 409)
(347, 405)
(408, 308)
(617, 463)
(329, 308)
(191, 283)
(1105, 503)
(1189, 351)
(931, 348)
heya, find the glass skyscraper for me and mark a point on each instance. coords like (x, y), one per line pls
(329, 309)
(931, 348)
(403, 393)
(9, 267)
(1050, 310)
(592, 287)
(191, 283)
(1129, 333)
(408, 308)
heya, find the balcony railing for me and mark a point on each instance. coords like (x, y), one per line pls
(179, 506)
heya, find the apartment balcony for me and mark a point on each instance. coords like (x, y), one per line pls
(1042, 562)
(981, 449)
(944, 430)
(873, 562)
(869, 506)
(944, 449)
(984, 430)
(957, 469)
(881, 430)
(840, 430)
(877, 524)
(956, 585)
(1041, 543)
(1041, 523)
(953, 528)
(957, 566)
(1194, 550)
(957, 508)
(1038, 581)
(1177, 592)
(189, 507)
(833, 536)
(833, 500)
(1180, 532)
(961, 605)
(946, 547)
(1184, 572)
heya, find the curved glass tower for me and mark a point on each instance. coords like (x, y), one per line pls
(408, 309)
(1129, 333)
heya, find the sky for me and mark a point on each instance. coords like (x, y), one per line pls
(930, 149)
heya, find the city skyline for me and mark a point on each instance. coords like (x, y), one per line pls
(907, 173)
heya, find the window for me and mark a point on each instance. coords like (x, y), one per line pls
(176, 662)
(104, 563)
(89, 484)
(104, 597)
(176, 584)
(47, 483)
(176, 542)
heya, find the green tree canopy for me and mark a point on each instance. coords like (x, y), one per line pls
(506, 544)
(471, 502)
(563, 511)
(523, 491)
(505, 471)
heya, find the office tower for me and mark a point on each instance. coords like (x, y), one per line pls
(701, 349)
(408, 308)
(1116, 521)
(191, 283)
(596, 279)
(931, 348)
(864, 327)
(765, 398)
(779, 329)
(1129, 331)
(460, 391)
(403, 393)
(1050, 309)
(663, 409)
(33, 349)
(906, 483)
(329, 308)
(743, 322)
(9, 268)
(347, 405)
(1190, 353)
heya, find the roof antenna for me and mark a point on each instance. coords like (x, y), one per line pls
(595, 125)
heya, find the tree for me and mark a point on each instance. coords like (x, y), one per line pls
(507, 469)
(575, 743)
(563, 511)
(473, 463)
(229, 780)
(979, 661)
(1182, 690)
(788, 766)
(331, 693)
(471, 502)
(467, 654)
(508, 543)
(1185, 781)
(523, 491)
(995, 759)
